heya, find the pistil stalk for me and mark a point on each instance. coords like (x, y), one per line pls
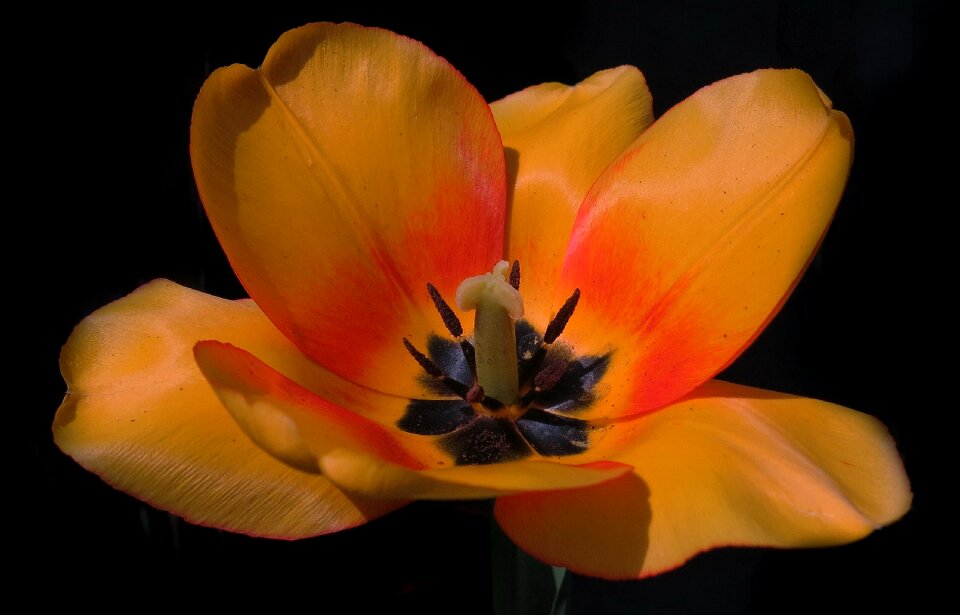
(498, 305)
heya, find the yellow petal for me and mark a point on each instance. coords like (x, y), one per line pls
(139, 413)
(361, 455)
(362, 474)
(354, 167)
(689, 244)
(730, 465)
(559, 139)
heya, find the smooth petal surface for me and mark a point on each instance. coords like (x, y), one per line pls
(140, 414)
(354, 167)
(689, 244)
(559, 139)
(730, 465)
(358, 454)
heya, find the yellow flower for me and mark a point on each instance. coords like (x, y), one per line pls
(353, 169)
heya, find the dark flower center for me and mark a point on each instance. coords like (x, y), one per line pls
(475, 428)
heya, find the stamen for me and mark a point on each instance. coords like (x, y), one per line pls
(450, 320)
(454, 386)
(453, 325)
(546, 379)
(550, 375)
(556, 326)
(428, 366)
(475, 394)
(515, 275)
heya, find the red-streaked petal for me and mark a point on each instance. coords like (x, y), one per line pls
(359, 455)
(354, 167)
(729, 465)
(689, 244)
(140, 414)
(559, 139)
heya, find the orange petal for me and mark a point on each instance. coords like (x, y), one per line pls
(361, 474)
(139, 413)
(360, 455)
(689, 244)
(559, 139)
(354, 167)
(729, 465)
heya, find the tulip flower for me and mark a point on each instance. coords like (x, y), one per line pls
(526, 301)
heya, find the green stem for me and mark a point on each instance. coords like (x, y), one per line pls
(521, 584)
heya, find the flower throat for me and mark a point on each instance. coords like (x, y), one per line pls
(506, 376)
(508, 392)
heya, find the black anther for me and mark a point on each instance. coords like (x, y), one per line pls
(556, 326)
(450, 320)
(515, 275)
(428, 366)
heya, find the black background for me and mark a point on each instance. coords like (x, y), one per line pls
(109, 204)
